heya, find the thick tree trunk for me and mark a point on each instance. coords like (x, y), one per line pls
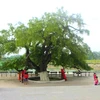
(29, 63)
(45, 59)
(44, 76)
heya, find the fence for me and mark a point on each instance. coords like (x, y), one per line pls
(76, 73)
(54, 74)
(50, 74)
(31, 74)
(12, 74)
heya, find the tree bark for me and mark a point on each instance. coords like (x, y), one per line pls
(45, 59)
(44, 76)
(29, 63)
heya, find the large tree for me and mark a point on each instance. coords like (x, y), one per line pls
(52, 39)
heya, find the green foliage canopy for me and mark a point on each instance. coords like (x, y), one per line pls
(12, 63)
(52, 39)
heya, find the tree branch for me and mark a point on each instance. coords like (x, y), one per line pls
(29, 62)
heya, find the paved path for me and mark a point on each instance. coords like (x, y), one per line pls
(76, 88)
(51, 93)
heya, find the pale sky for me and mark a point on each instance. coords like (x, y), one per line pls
(13, 11)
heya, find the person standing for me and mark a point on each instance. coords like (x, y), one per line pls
(19, 76)
(63, 75)
(96, 81)
(23, 72)
(94, 76)
(26, 78)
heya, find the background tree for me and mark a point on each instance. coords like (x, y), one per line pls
(13, 63)
(94, 55)
(52, 39)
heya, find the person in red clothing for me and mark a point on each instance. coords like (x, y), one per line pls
(63, 75)
(94, 76)
(96, 81)
(26, 78)
(19, 76)
(23, 72)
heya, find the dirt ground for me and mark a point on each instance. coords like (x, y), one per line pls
(76, 88)
(12, 81)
